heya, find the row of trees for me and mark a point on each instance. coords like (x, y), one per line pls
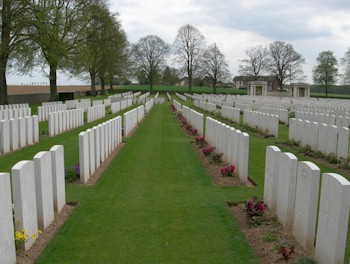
(279, 59)
(189, 52)
(78, 36)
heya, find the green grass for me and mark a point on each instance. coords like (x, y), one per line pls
(257, 153)
(154, 204)
(333, 96)
(68, 139)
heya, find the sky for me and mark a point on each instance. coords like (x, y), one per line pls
(311, 26)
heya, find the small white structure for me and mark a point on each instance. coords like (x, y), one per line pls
(257, 88)
(300, 90)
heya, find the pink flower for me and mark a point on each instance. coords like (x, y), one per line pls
(232, 168)
(261, 207)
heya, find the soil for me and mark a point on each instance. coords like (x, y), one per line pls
(213, 169)
(267, 252)
(45, 237)
(28, 89)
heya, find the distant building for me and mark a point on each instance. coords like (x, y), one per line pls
(243, 82)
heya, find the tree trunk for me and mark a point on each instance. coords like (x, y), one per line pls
(111, 85)
(151, 81)
(3, 84)
(93, 82)
(190, 82)
(53, 83)
(103, 91)
(4, 48)
(326, 86)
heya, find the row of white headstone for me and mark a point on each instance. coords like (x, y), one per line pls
(18, 132)
(119, 106)
(106, 102)
(232, 143)
(320, 137)
(71, 104)
(168, 96)
(177, 106)
(149, 105)
(194, 118)
(84, 105)
(231, 113)
(205, 105)
(38, 191)
(95, 112)
(118, 95)
(330, 120)
(51, 103)
(96, 144)
(261, 121)
(142, 98)
(62, 121)
(281, 113)
(333, 108)
(132, 118)
(13, 106)
(291, 190)
(45, 110)
(15, 113)
(183, 98)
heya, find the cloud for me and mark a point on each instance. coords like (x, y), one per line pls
(311, 26)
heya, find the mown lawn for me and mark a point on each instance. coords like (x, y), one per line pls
(257, 149)
(154, 204)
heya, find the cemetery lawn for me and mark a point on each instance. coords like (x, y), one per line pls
(155, 203)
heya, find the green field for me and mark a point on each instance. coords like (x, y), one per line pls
(155, 203)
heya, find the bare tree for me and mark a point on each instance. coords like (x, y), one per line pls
(326, 70)
(214, 66)
(149, 55)
(188, 47)
(256, 63)
(345, 62)
(284, 62)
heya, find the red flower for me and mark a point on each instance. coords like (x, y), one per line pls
(261, 207)
(232, 168)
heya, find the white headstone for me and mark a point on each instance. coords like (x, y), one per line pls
(35, 119)
(333, 219)
(332, 140)
(5, 136)
(7, 244)
(29, 130)
(343, 143)
(271, 176)
(43, 188)
(84, 157)
(14, 134)
(286, 189)
(92, 161)
(306, 202)
(24, 199)
(58, 179)
(243, 157)
(97, 138)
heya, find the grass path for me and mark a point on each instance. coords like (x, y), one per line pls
(154, 204)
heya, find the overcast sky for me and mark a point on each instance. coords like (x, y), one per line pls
(311, 26)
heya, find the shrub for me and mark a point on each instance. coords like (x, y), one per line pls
(255, 207)
(216, 157)
(207, 150)
(72, 173)
(227, 170)
(306, 260)
(285, 249)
